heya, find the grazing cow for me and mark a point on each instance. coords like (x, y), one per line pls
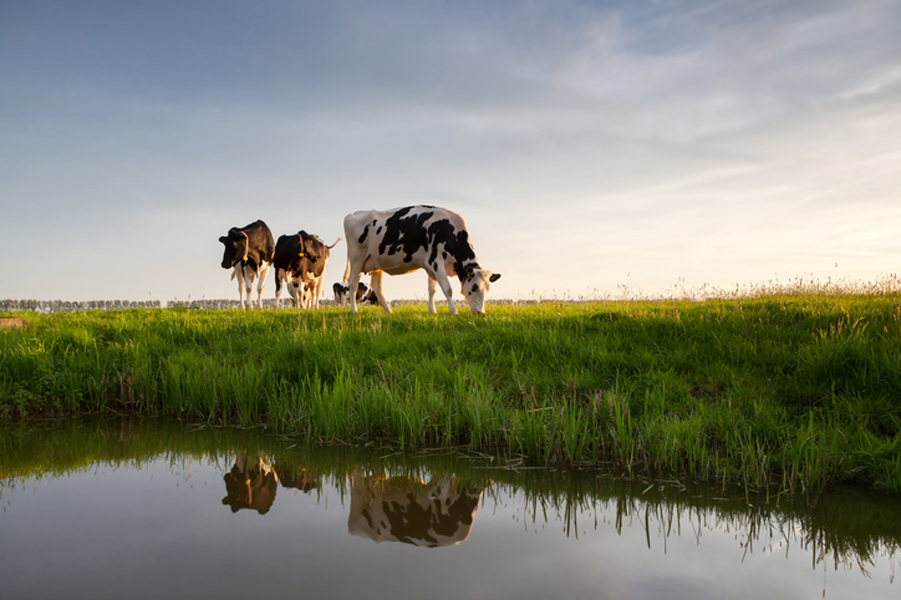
(405, 509)
(416, 237)
(249, 250)
(364, 294)
(300, 261)
(251, 483)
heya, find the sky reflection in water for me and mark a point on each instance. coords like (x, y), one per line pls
(245, 524)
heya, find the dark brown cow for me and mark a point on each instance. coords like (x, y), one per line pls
(300, 261)
(249, 251)
(251, 484)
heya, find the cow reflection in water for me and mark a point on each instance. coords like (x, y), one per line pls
(251, 483)
(406, 509)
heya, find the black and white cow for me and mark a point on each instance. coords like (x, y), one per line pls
(406, 509)
(416, 237)
(249, 251)
(364, 294)
(300, 261)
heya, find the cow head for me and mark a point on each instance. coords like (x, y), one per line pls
(476, 282)
(235, 247)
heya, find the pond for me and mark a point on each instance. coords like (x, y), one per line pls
(116, 508)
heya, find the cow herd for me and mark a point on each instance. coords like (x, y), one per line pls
(395, 242)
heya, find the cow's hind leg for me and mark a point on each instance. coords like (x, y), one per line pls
(279, 275)
(433, 286)
(376, 285)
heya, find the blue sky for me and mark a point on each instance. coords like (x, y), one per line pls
(588, 145)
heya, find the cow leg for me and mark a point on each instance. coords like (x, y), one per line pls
(301, 294)
(279, 275)
(433, 285)
(376, 285)
(239, 273)
(264, 270)
(317, 291)
(292, 291)
(307, 296)
(352, 284)
(445, 284)
(248, 287)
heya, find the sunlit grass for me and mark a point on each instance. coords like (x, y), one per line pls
(790, 387)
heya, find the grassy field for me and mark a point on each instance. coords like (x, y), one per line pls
(789, 391)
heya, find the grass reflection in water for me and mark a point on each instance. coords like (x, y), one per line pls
(432, 497)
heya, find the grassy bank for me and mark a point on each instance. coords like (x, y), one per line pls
(790, 391)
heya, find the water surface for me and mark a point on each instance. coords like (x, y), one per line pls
(150, 509)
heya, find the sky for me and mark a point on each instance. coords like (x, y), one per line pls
(595, 149)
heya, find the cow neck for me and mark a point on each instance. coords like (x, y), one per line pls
(246, 247)
(464, 272)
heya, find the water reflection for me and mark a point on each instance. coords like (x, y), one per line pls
(251, 484)
(407, 509)
(403, 508)
(68, 490)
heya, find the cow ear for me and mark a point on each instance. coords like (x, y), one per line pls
(467, 274)
(223, 239)
(494, 277)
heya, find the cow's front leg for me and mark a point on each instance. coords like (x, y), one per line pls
(248, 289)
(239, 274)
(352, 283)
(264, 270)
(376, 284)
(445, 284)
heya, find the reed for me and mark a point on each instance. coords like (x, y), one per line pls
(794, 390)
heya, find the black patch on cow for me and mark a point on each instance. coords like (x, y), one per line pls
(412, 523)
(475, 288)
(405, 235)
(363, 235)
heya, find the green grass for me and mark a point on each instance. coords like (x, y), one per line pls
(791, 391)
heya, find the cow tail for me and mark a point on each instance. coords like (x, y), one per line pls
(335, 244)
(346, 271)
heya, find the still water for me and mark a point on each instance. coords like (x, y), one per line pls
(150, 509)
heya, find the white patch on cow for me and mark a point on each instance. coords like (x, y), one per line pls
(435, 513)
